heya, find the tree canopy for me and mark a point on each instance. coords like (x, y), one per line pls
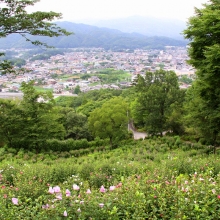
(204, 32)
(14, 19)
(110, 120)
(30, 122)
(158, 95)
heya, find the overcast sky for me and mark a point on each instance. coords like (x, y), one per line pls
(79, 10)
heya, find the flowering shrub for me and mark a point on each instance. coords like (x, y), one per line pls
(121, 184)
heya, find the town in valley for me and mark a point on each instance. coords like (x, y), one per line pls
(83, 68)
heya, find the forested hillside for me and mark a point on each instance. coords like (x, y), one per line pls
(91, 36)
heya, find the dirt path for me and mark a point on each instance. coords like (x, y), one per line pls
(137, 135)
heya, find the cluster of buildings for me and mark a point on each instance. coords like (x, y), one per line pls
(63, 73)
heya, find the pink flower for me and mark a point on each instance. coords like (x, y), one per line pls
(81, 202)
(5, 196)
(88, 191)
(75, 187)
(68, 193)
(102, 189)
(56, 189)
(14, 201)
(112, 188)
(101, 205)
(78, 210)
(65, 213)
(59, 196)
(119, 185)
(45, 206)
(51, 190)
(218, 196)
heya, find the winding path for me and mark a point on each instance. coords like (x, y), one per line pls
(137, 135)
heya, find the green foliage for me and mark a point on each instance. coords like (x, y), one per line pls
(184, 186)
(75, 124)
(109, 121)
(113, 76)
(64, 101)
(29, 123)
(85, 103)
(45, 55)
(77, 89)
(203, 31)
(185, 79)
(89, 106)
(11, 123)
(14, 19)
(18, 62)
(158, 102)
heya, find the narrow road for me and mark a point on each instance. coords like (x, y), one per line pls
(137, 135)
(14, 95)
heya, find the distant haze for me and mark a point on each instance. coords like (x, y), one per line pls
(149, 26)
(81, 10)
(149, 17)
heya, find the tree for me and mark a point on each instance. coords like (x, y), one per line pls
(88, 107)
(76, 125)
(157, 95)
(14, 19)
(204, 52)
(110, 120)
(30, 122)
(11, 122)
(77, 89)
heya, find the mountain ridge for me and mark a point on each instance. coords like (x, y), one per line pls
(146, 25)
(92, 36)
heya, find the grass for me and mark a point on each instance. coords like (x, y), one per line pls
(41, 89)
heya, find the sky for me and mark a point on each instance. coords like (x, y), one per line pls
(82, 10)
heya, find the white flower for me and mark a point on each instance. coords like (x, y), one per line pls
(75, 187)
(112, 188)
(65, 213)
(101, 205)
(213, 191)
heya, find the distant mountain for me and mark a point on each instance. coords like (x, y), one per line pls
(91, 36)
(149, 26)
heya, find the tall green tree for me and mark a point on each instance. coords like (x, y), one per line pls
(41, 118)
(158, 94)
(110, 120)
(30, 122)
(14, 19)
(203, 31)
(11, 122)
